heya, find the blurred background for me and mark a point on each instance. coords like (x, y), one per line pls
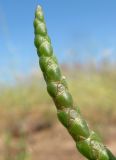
(83, 34)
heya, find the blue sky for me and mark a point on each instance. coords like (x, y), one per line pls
(86, 28)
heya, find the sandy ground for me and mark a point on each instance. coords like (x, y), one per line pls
(57, 144)
(46, 142)
(53, 144)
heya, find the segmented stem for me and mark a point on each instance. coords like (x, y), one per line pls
(87, 141)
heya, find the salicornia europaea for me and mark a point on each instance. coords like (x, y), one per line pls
(87, 141)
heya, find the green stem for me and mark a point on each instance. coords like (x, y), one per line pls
(87, 141)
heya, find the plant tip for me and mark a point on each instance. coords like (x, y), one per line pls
(39, 7)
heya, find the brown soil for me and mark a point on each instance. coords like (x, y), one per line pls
(44, 140)
(57, 144)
